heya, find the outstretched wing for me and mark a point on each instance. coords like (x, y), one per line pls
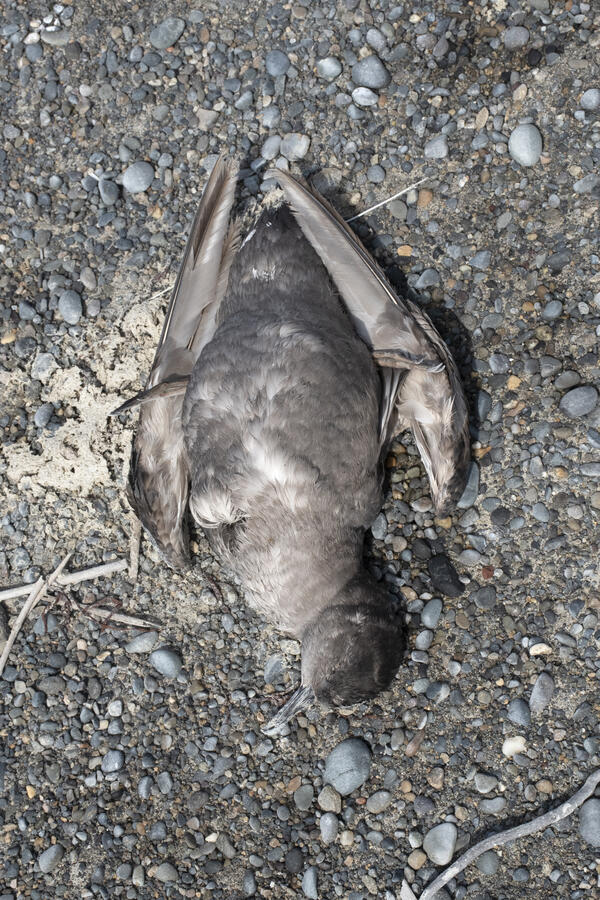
(158, 477)
(421, 385)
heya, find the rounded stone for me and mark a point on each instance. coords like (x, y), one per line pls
(513, 745)
(430, 615)
(590, 99)
(112, 761)
(270, 148)
(363, 96)
(515, 36)
(293, 861)
(249, 884)
(370, 72)
(166, 873)
(309, 883)
(138, 177)
(304, 796)
(43, 415)
(579, 402)
(329, 68)
(109, 191)
(276, 63)
(525, 145)
(348, 765)
(519, 712)
(329, 827)
(488, 862)
(542, 693)
(378, 801)
(295, 146)
(50, 858)
(167, 33)
(589, 822)
(439, 843)
(142, 643)
(437, 147)
(552, 310)
(166, 661)
(69, 306)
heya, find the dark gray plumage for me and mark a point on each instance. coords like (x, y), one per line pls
(291, 401)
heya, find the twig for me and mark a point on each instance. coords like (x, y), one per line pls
(161, 293)
(37, 592)
(122, 618)
(119, 565)
(505, 837)
(134, 549)
(366, 212)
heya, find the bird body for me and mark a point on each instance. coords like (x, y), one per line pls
(284, 367)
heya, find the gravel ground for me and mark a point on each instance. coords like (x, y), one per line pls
(127, 772)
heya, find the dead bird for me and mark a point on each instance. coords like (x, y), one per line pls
(285, 366)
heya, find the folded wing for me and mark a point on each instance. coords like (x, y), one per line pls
(158, 477)
(421, 385)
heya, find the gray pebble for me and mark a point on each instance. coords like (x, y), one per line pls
(589, 822)
(112, 761)
(437, 147)
(44, 365)
(50, 858)
(371, 73)
(499, 363)
(378, 801)
(138, 877)
(167, 33)
(304, 796)
(249, 884)
(138, 177)
(587, 184)
(309, 883)
(271, 116)
(481, 260)
(295, 146)
(363, 96)
(55, 38)
(469, 495)
(494, 806)
(519, 712)
(376, 174)
(145, 787)
(166, 661)
(430, 615)
(488, 862)
(525, 145)
(540, 512)
(590, 99)
(485, 597)
(294, 861)
(166, 873)
(579, 402)
(515, 37)
(43, 415)
(348, 765)
(439, 843)
(398, 209)
(542, 693)
(329, 827)
(379, 527)
(270, 148)
(427, 278)
(485, 783)
(69, 306)
(329, 68)
(142, 643)
(109, 191)
(276, 63)
(552, 310)
(274, 670)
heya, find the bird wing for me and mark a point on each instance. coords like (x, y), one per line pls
(421, 385)
(158, 477)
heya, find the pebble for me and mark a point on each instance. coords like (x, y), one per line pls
(295, 146)
(328, 827)
(587, 184)
(167, 33)
(485, 783)
(43, 414)
(138, 177)
(469, 495)
(494, 806)
(515, 37)
(428, 278)
(329, 799)
(370, 72)
(69, 306)
(113, 761)
(437, 147)
(270, 148)
(277, 63)
(363, 96)
(309, 883)
(519, 713)
(443, 576)
(50, 858)
(329, 68)
(552, 310)
(59, 38)
(488, 862)
(481, 260)
(513, 745)
(304, 796)
(44, 365)
(378, 801)
(579, 402)
(525, 145)
(142, 643)
(542, 693)
(294, 861)
(589, 822)
(439, 843)
(348, 765)
(431, 612)
(166, 661)
(166, 873)
(109, 191)
(249, 885)
(590, 99)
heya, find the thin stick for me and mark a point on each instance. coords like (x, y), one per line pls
(134, 549)
(366, 212)
(122, 618)
(119, 565)
(505, 837)
(160, 293)
(38, 591)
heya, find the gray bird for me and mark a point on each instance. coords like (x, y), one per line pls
(285, 366)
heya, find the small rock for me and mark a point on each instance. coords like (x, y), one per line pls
(590, 99)
(69, 306)
(276, 63)
(113, 761)
(294, 861)
(295, 146)
(485, 597)
(589, 822)
(273, 671)
(525, 145)
(494, 806)
(166, 873)
(138, 877)
(138, 177)
(329, 827)
(437, 147)
(249, 884)
(439, 843)
(431, 612)
(109, 191)
(481, 260)
(50, 858)
(304, 796)
(552, 310)
(370, 72)
(488, 862)
(587, 184)
(469, 495)
(166, 661)
(270, 148)
(348, 765)
(485, 783)
(515, 37)
(43, 415)
(579, 402)
(309, 883)
(376, 174)
(142, 643)
(55, 38)
(519, 712)
(542, 693)
(167, 33)
(427, 278)
(379, 527)
(329, 800)
(513, 745)
(443, 576)
(378, 801)
(363, 96)
(44, 365)
(329, 68)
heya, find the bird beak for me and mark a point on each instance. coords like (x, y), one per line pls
(300, 699)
